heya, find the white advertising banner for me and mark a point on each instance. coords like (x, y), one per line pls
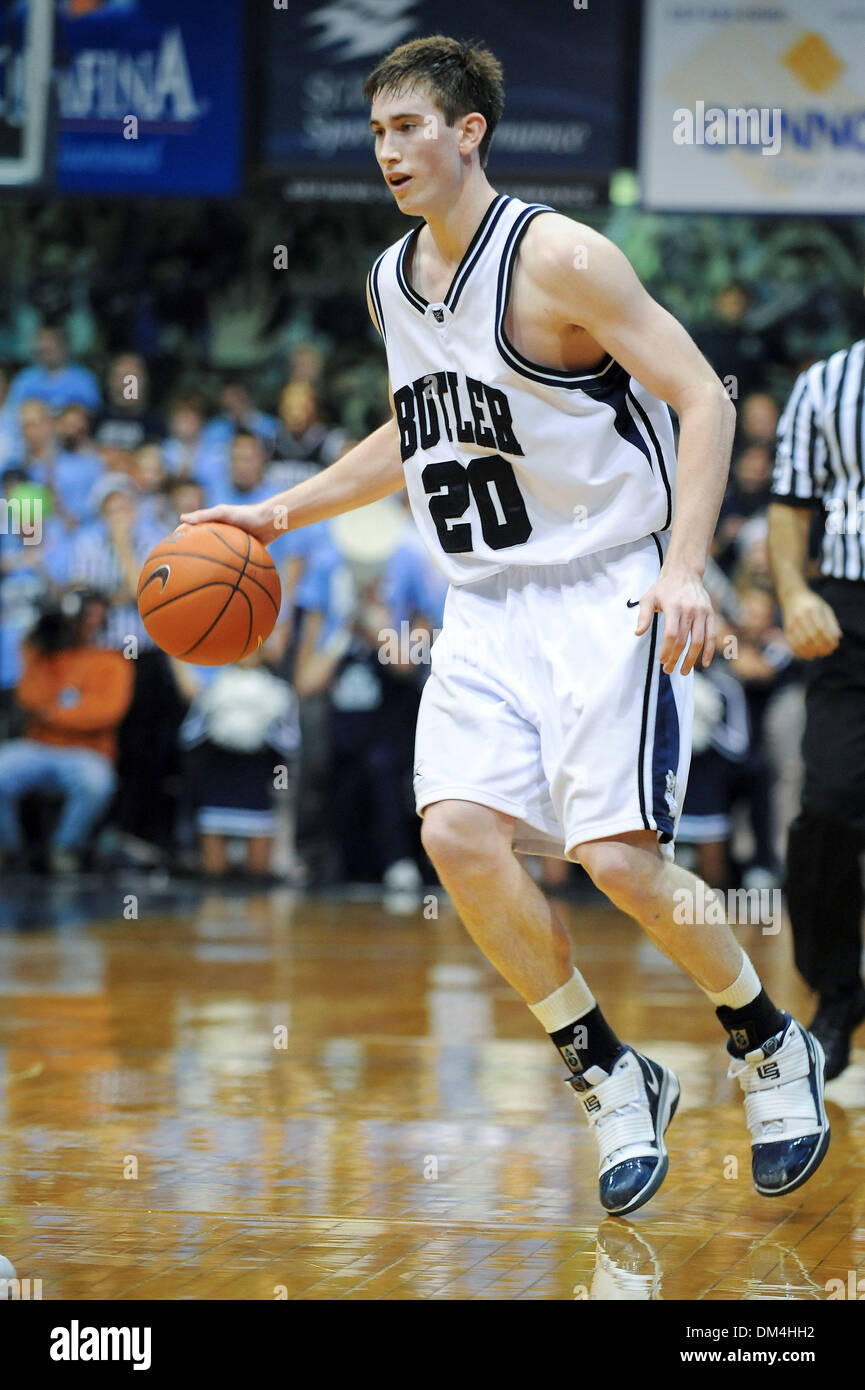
(753, 107)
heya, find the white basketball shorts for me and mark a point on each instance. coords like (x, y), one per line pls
(542, 703)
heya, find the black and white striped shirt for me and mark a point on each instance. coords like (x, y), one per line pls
(820, 457)
(94, 561)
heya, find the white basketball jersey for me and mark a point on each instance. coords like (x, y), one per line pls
(508, 462)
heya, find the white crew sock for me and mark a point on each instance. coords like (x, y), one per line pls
(743, 990)
(565, 1005)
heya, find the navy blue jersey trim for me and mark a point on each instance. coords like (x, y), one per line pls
(472, 254)
(416, 300)
(375, 293)
(476, 248)
(593, 383)
(659, 454)
(647, 694)
(665, 754)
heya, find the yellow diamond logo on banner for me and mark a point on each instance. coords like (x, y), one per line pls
(811, 59)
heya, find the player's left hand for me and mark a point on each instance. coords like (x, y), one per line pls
(688, 613)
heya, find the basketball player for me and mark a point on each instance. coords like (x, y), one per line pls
(529, 371)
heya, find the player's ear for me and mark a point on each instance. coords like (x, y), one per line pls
(472, 129)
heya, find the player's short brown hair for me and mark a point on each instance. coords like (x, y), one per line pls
(460, 77)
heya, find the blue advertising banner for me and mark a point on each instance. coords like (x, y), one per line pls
(566, 73)
(149, 96)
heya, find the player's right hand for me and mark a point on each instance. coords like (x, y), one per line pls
(250, 517)
(810, 625)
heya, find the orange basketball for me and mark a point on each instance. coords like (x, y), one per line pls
(209, 594)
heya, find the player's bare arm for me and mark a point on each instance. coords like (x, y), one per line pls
(810, 624)
(366, 473)
(590, 302)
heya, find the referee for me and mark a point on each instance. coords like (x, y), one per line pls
(820, 462)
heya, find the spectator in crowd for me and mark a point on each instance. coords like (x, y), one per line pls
(33, 565)
(151, 479)
(413, 585)
(244, 730)
(758, 419)
(72, 426)
(249, 480)
(127, 420)
(774, 694)
(10, 434)
(69, 474)
(371, 702)
(307, 364)
(53, 379)
(721, 744)
(184, 495)
(751, 555)
(74, 695)
(736, 352)
(246, 478)
(187, 450)
(747, 496)
(109, 553)
(238, 412)
(304, 435)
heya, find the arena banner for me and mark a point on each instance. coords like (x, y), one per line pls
(149, 96)
(753, 107)
(565, 73)
(26, 29)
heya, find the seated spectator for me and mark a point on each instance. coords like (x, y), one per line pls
(69, 474)
(304, 435)
(74, 696)
(53, 379)
(238, 412)
(127, 421)
(188, 452)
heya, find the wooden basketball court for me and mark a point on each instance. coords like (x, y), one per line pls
(275, 1096)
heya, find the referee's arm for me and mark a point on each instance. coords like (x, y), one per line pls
(810, 625)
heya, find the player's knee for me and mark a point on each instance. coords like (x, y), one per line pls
(618, 870)
(457, 835)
